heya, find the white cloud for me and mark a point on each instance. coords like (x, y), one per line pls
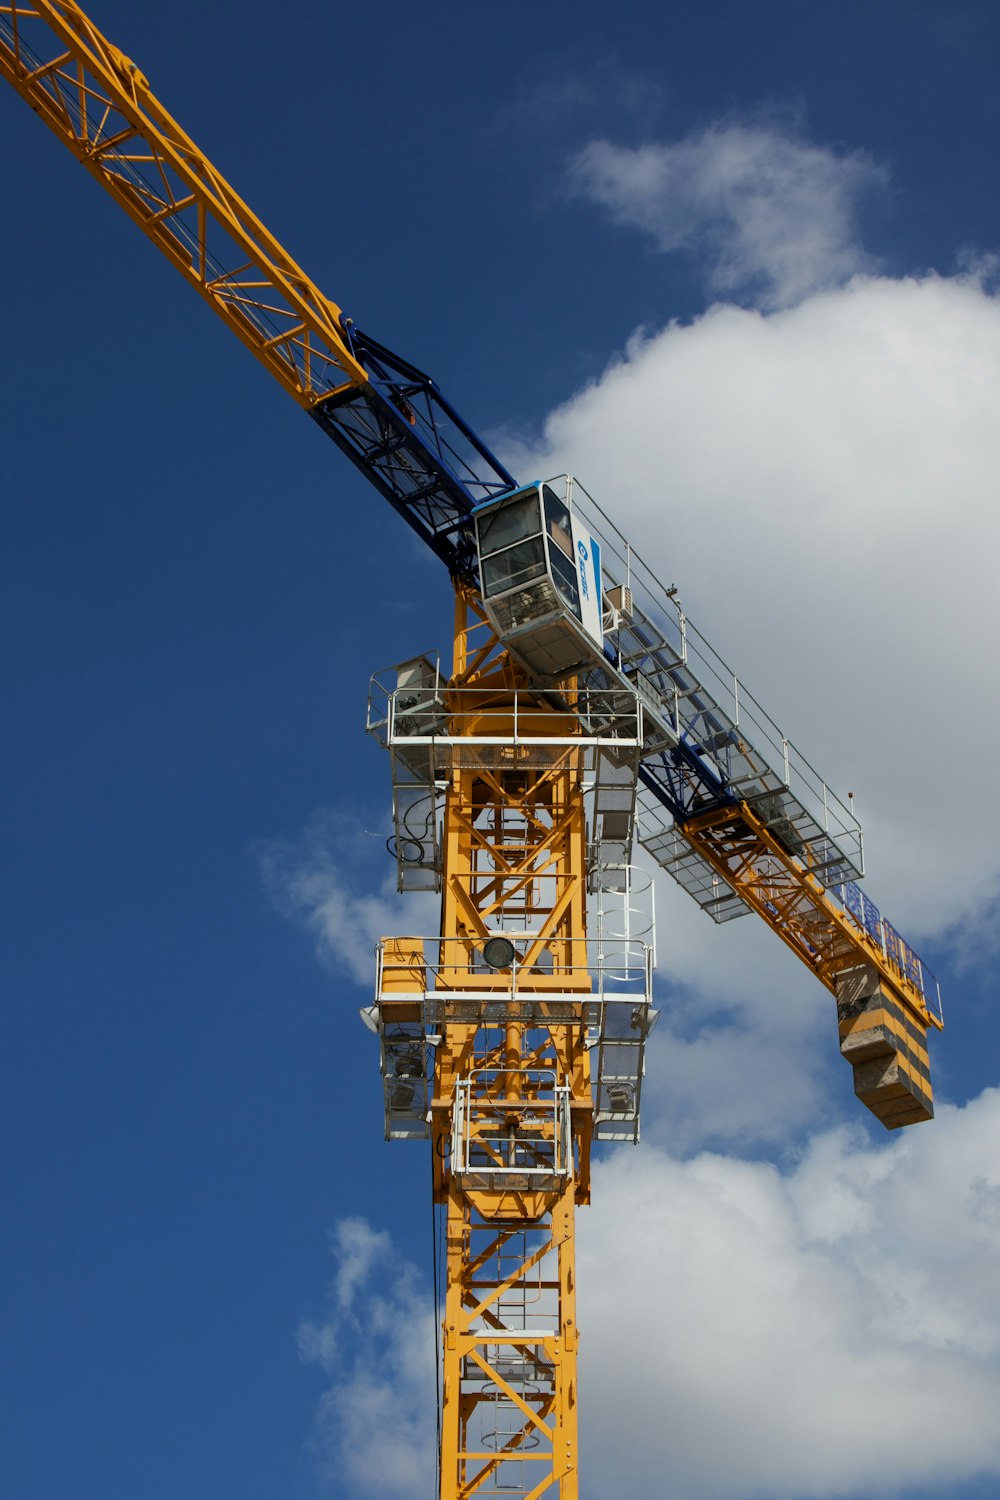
(756, 1073)
(375, 1429)
(768, 213)
(337, 881)
(359, 1250)
(830, 1331)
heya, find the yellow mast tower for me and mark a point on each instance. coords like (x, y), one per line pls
(495, 1032)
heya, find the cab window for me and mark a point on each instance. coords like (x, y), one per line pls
(562, 560)
(557, 522)
(513, 567)
(512, 522)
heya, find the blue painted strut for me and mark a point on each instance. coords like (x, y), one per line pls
(413, 446)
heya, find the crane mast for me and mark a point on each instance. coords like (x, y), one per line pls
(497, 1031)
(511, 1109)
(582, 714)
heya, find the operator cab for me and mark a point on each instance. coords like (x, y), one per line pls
(540, 577)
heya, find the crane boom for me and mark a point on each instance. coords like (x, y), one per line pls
(582, 713)
(101, 107)
(386, 415)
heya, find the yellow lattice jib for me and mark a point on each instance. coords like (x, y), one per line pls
(100, 105)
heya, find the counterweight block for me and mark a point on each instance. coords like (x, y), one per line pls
(887, 1048)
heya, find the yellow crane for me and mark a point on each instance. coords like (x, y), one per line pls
(581, 713)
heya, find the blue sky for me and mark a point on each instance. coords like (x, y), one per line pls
(733, 265)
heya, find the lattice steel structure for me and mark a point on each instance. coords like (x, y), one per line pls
(583, 712)
(489, 1032)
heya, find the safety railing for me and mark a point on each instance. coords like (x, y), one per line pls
(895, 949)
(511, 1129)
(445, 970)
(591, 716)
(703, 698)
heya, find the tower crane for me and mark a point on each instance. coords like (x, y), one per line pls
(582, 714)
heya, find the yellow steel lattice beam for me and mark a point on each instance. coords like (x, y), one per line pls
(531, 1448)
(883, 1015)
(794, 903)
(100, 105)
(514, 857)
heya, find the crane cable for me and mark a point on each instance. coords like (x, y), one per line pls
(436, 1275)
